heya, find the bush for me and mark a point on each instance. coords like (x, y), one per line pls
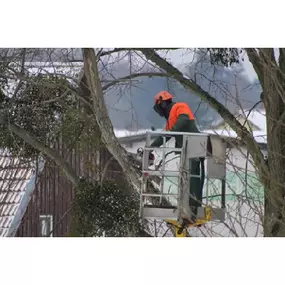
(106, 210)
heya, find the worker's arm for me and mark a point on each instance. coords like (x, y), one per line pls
(159, 141)
(181, 122)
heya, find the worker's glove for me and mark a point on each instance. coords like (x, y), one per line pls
(150, 157)
(140, 151)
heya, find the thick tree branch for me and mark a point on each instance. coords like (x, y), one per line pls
(132, 76)
(189, 84)
(44, 149)
(115, 50)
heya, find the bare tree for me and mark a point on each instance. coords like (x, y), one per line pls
(29, 127)
(99, 77)
(107, 126)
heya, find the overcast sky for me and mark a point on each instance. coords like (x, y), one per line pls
(180, 57)
(133, 106)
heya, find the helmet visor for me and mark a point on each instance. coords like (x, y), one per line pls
(157, 108)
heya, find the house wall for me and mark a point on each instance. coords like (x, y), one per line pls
(52, 198)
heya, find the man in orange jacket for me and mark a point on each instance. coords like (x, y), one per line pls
(178, 115)
(179, 118)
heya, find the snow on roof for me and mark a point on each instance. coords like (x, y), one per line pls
(258, 118)
(259, 136)
(126, 133)
(69, 70)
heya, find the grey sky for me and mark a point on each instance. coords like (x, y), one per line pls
(133, 107)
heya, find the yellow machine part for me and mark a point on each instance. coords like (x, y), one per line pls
(198, 222)
(183, 234)
(176, 227)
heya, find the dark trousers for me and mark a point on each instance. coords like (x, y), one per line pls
(195, 199)
(195, 183)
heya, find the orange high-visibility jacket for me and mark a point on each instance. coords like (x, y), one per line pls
(179, 108)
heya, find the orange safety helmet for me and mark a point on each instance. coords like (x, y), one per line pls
(162, 96)
(159, 102)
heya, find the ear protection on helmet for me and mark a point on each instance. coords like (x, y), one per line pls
(160, 106)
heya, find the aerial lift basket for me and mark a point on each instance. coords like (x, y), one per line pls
(177, 207)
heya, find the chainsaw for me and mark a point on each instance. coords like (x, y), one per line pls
(151, 157)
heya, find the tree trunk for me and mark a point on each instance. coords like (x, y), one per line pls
(106, 128)
(103, 120)
(273, 89)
